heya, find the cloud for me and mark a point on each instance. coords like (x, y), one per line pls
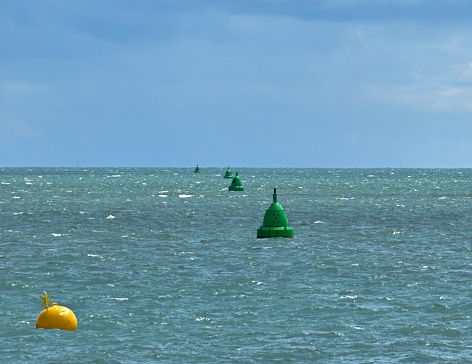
(95, 79)
(11, 129)
(464, 72)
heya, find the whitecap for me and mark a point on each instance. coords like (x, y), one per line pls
(56, 235)
(163, 192)
(110, 217)
(185, 196)
(162, 195)
(442, 198)
(319, 222)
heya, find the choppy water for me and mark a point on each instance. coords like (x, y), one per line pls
(162, 265)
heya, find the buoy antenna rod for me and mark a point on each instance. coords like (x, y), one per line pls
(45, 299)
(275, 196)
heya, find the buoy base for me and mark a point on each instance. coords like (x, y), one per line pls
(236, 188)
(273, 232)
(230, 176)
(57, 317)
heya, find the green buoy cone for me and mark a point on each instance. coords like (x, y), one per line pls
(228, 174)
(275, 222)
(236, 184)
(197, 169)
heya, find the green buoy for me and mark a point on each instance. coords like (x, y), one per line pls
(228, 174)
(275, 222)
(236, 184)
(197, 169)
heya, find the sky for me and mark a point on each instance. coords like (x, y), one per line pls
(240, 83)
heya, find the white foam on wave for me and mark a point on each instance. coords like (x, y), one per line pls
(185, 196)
(163, 192)
(56, 235)
(162, 195)
(110, 217)
(202, 319)
(348, 297)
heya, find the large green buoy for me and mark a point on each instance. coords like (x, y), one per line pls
(197, 169)
(275, 222)
(228, 174)
(236, 184)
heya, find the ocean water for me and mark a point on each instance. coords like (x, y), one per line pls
(163, 265)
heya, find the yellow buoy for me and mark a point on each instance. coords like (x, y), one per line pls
(55, 317)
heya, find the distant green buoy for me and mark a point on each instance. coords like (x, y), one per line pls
(197, 169)
(236, 184)
(228, 174)
(275, 222)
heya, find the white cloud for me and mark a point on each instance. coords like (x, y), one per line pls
(11, 130)
(425, 97)
(22, 93)
(464, 72)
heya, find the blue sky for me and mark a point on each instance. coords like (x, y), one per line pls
(257, 83)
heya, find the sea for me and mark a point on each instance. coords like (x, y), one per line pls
(162, 265)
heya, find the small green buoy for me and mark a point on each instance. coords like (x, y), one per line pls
(228, 174)
(197, 169)
(236, 184)
(275, 222)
